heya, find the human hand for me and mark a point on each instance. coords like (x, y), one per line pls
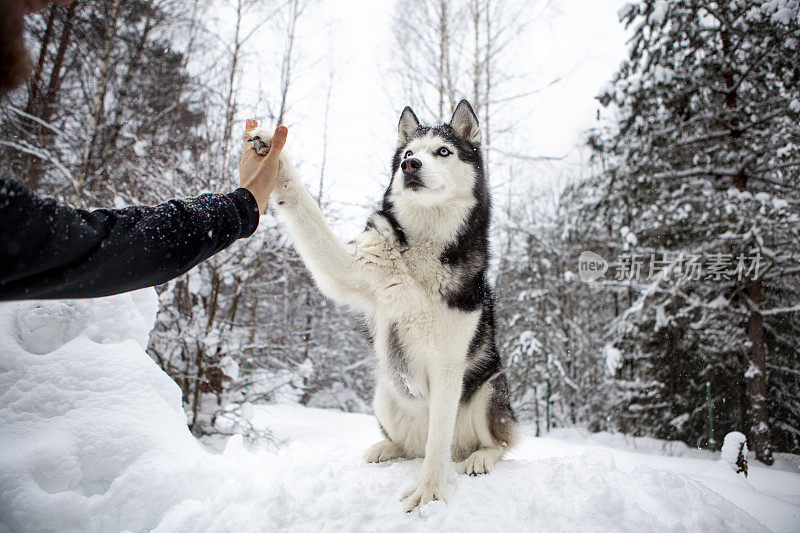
(258, 174)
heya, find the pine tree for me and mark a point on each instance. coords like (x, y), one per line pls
(704, 177)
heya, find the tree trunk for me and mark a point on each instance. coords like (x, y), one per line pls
(230, 103)
(98, 103)
(308, 323)
(286, 66)
(33, 172)
(34, 89)
(324, 141)
(251, 336)
(56, 73)
(133, 68)
(476, 60)
(196, 397)
(213, 301)
(756, 375)
(487, 67)
(442, 54)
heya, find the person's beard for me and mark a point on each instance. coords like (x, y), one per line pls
(15, 65)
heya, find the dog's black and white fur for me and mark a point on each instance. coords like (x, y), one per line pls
(418, 275)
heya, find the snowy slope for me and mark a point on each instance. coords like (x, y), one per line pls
(93, 438)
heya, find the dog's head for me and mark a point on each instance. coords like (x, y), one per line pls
(437, 170)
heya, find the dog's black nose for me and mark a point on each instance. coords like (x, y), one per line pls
(411, 165)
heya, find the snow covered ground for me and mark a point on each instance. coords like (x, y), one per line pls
(93, 438)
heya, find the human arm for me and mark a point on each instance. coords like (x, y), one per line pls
(48, 250)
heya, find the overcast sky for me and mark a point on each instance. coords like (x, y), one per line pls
(579, 41)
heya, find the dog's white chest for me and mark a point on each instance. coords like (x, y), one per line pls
(420, 343)
(417, 335)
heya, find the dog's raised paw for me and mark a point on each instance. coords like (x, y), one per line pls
(261, 138)
(384, 450)
(370, 248)
(480, 462)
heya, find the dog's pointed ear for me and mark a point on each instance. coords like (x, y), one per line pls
(465, 123)
(408, 125)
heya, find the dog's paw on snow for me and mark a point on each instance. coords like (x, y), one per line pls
(480, 462)
(384, 450)
(422, 493)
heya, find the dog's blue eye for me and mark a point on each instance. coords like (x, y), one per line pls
(408, 154)
(443, 151)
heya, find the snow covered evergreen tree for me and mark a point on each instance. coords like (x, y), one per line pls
(701, 202)
(549, 319)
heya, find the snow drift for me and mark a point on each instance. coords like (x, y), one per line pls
(94, 438)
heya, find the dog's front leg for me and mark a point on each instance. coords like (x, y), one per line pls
(444, 394)
(331, 263)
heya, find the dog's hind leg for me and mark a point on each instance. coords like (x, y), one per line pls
(393, 423)
(482, 461)
(384, 450)
(498, 431)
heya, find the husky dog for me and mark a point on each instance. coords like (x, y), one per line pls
(418, 275)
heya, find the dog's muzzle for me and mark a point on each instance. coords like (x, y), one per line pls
(410, 168)
(413, 182)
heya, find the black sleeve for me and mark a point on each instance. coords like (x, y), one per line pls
(49, 250)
